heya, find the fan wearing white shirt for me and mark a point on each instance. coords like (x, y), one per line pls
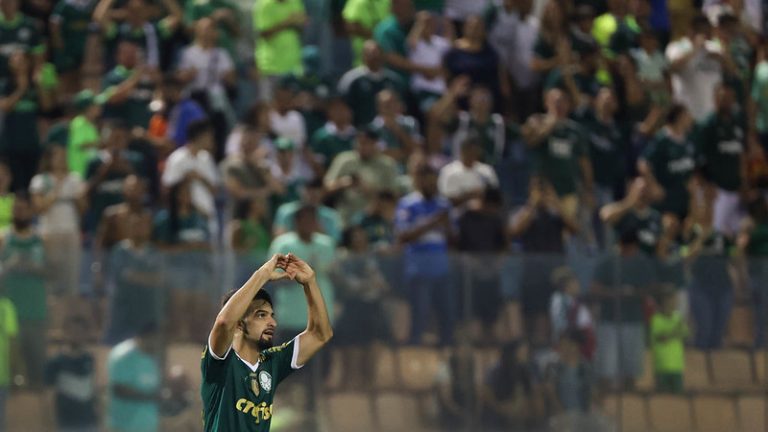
(204, 65)
(466, 178)
(426, 48)
(194, 162)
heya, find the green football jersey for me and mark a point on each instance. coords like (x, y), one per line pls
(238, 396)
(720, 145)
(557, 158)
(673, 164)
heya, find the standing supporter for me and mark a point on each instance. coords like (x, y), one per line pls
(360, 19)
(279, 24)
(423, 227)
(426, 49)
(360, 85)
(70, 24)
(58, 195)
(356, 176)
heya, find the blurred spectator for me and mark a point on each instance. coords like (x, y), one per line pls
(758, 99)
(360, 19)
(82, 142)
(194, 165)
(135, 383)
(139, 28)
(278, 52)
(479, 121)
(70, 24)
(107, 171)
(183, 233)
(287, 172)
(135, 269)
(357, 175)
(247, 175)
(319, 251)
(652, 67)
(460, 11)
(621, 283)
(668, 333)
(423, 226)
(286, 122)
(257, 116)
(391, 35)
(581, 24)
(467, 178)
(312, 89)
(59, 199)
(360, 85)
(721, 142)
(10, 359)
(540, 226)
(509, 394)
(426, 49)
(70, 375)
(20, 34)
(6, 197)
(667, 164)
(697, 64)
(483, 239)
(579, 80)
(207, 67)
(249, 235)
(129, 87)
(634, 214)
(23, 96)
(472, 56)
(607, 152)
(179, 110)
(617, 20)
(312, 194)
(398, 133)
(711, 289)
(114, 226)
(363, 324)
(753, 245)
(572, 378)
(561, 151)
(24, 276)
(379, 220)
(512, 32)
(738, 54)
(552, 47)
(569, 314)
(456, 388)
(224, 14)
(336, 136)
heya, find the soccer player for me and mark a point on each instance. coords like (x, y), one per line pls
(238, 387)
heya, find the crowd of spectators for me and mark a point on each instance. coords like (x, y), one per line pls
(406, 149)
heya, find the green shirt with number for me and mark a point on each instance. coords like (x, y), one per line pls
(720, 147)
(74, 19)
(606, 150)
(238, 396)
(557, 157)
(672, 164)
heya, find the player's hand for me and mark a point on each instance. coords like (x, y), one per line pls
(299, 270)
(276, 267)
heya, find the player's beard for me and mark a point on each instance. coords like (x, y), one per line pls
(264, 344)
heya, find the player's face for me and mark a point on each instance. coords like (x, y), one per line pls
(260, 325)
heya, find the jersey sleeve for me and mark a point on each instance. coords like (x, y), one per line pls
(212, 366)
(284, 359)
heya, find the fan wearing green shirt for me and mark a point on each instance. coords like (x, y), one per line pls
(360, 18)
(238, 387)
(129, 87)
(668, 334)
(18, 32)
(70, 24)
(668, 165)
(561, 151)
(279, 23)
(83, 136)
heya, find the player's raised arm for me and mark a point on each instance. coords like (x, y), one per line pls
(226, 322)
(319, 330)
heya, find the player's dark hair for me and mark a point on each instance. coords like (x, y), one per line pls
(198, 128)
(260, 295)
